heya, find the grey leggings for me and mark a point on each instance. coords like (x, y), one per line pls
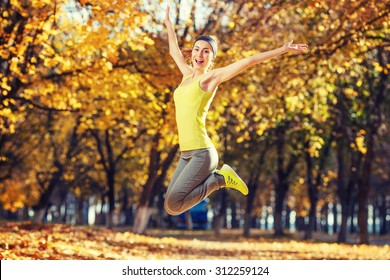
(193, 180)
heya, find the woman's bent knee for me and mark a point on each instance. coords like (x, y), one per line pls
(171, 209)
(172, 212)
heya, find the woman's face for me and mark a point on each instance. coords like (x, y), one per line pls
(202, 55)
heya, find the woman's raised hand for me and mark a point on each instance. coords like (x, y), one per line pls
(167, 17)
(290, 46)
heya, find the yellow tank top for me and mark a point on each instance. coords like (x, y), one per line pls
(192, 104)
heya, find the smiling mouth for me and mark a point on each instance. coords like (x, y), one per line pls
(198, 61)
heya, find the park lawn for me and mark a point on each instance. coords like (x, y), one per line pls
(25, 241)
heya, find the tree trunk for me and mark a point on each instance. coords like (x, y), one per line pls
(326, 219)
(142, 219)
(378, 86)
(127, 209)
(160, 221)
(235, 220)
(39, 215)
(343, 231)
(188, 219)
(335, 215)
(253, 185)
(45, 197)
(249, 208)
(383, 215)
(374, 217)
(266, 224)
(287, 218)
(354, 226)
(282, 186)
(312, 219)
(364, 188)
(314, 181)
(79, 211)
(156, 175)
(247, 223)
(109, 162)
(346, 189)
(313, 196)
(111, 197)
(220, 215)
(281, 192)
(300, 223)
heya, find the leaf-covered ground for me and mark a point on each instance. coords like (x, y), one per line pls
(28, 241)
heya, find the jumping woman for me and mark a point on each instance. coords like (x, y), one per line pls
(196, 175)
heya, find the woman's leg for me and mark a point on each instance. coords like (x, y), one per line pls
(193, 181)
(180, 166)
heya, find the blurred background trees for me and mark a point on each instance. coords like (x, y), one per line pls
(87, 118)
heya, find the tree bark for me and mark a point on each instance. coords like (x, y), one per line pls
(382, 215)
(282, 184)
(378, 88)
(220, 213)
(154, 182)
(44, 199)
(142, 219)
(253, 185)
(314, 183)
(364, 189)
(346, 190)
(189, 222)
(313, 196)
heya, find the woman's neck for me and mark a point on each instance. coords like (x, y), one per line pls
(197, 73)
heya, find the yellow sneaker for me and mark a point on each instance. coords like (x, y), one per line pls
(232, 180)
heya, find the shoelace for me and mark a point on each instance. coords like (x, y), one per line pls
(231, 181)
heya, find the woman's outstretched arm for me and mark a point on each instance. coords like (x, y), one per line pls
(220, 75)
(174, 49)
